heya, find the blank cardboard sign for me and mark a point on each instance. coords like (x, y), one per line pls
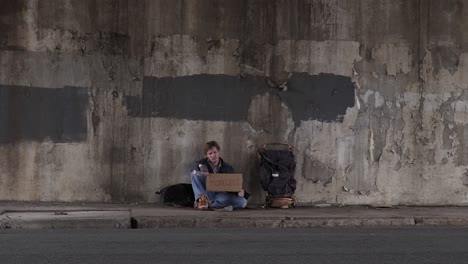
(224, 182)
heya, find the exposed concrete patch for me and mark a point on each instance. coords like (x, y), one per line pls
(397, 57)
(344, 155)
(460, 109)
(317, 171)
(465, 178)
(267, 114)
(318, 140)
(314, 57)
(373, 98)
(431, 102)
(38, 114)
(378, 128)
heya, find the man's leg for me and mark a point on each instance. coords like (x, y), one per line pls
(239, 202)
(223, 199)
(199, 186)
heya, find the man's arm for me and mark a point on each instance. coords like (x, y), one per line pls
(194, 165)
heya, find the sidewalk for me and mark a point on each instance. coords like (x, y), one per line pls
(123, 216)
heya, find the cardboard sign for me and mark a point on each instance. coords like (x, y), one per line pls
(224, 182)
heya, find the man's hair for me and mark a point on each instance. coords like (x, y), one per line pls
(209, 145)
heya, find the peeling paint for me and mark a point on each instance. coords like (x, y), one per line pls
(461, 112)
(426, 70)
(371, 144)
(397, 57)
(317, 171)
(379, 100)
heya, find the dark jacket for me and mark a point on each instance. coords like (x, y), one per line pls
(224, 167)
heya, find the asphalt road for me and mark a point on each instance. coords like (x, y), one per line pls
(333, 245)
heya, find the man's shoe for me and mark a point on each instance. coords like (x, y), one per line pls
(203, 202)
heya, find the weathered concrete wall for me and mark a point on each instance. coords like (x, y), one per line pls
(111, 100)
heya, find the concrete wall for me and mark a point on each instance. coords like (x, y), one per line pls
(110, 100)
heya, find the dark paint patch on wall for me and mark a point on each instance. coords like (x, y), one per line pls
(445, 58)
(43, 114)
(447, 23)
(323, 97)
(197, 97)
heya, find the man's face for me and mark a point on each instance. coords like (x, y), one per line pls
(213, 155)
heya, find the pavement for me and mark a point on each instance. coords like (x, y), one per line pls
(27, 215)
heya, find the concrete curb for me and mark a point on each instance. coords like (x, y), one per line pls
(66, 220)
(95, 217)
(287, 222)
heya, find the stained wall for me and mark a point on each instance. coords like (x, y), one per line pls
(111, 100)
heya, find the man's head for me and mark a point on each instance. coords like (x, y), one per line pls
(212, 150)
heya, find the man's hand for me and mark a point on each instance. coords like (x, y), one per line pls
(203, 169)
(241, 193)
(199, 172)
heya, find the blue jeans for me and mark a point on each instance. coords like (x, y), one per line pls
(217, 199)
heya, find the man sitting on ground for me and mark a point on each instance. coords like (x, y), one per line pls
(213, 163)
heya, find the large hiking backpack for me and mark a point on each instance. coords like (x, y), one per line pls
(277, 168)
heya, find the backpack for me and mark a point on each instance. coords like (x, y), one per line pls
(280, 202)
(277, 169)
(178, 195)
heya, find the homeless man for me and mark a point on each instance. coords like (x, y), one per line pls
(213, 163)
